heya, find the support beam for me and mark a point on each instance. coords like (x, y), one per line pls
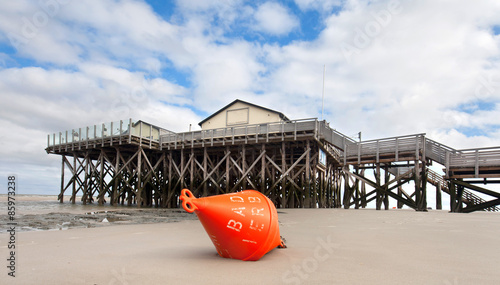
(381, 188)
(481, 206)
(288, 171)
(439, 204)
(476, 188)
(61, 194)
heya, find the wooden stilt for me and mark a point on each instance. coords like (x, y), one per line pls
(139, 187)
(400, 194)
(418, 184)
(459, 205)
(263, 168)
(379, 192)
(283, 197)
(87, 178)
(101, 179)
(356, 190)
(205, 172)
(439, 205)
(453, 197)
(363, 190)
(307, 200)
(73, 193)
(387, 176)
(61, 195)
(191, 169)
(423, 202)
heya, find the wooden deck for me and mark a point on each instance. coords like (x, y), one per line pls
(462, 167)
(113, 134)
(474, 163)
(395, 149)
(465, 163)
(343, 152)
(93, 137)
(458, 163)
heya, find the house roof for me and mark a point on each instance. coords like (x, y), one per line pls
(281, 115)
(141, 121)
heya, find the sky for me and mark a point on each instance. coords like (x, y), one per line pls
(389, 68)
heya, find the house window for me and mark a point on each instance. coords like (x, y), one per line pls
(237, 116)
(322, 157)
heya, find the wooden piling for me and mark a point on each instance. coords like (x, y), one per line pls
(281, 160)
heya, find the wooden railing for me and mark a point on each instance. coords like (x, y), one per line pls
(379, 147)
(436, 179)
(423, 147)
(337, 139)
(470, 198)
(256, 133)
(231, 134)
(476, 158)
(342, 147)
(437, 151)
(106, 133)
(89, 133)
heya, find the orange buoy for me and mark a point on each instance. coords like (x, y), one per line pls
(241, 225)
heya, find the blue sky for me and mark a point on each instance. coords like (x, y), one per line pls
(394, 67)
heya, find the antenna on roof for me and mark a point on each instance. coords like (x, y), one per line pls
(323, 94)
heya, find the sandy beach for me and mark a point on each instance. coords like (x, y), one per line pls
(325, 246)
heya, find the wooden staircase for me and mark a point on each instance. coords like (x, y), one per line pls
(469, 198)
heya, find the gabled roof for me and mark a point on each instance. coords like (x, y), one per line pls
(281, 115)
(141, 121)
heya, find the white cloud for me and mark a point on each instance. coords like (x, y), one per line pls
(410, 67)
(38, 102)
(320, 5)
(417, 64)
(212, 17)
(223, 71)
(109, 32)
(274, 19)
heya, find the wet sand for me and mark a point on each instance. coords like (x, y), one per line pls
(325, 246)
(36, 212)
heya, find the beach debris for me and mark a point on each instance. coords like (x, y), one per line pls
(242, 225)
(63, 226)
(69, 220)
(96, 212)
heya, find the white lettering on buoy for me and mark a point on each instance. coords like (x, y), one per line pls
(214, 240)
(254, 199)
(254, 226)
(239, 211)
(234, 225)
(237, 199)
(216, 244)
(257, 211)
